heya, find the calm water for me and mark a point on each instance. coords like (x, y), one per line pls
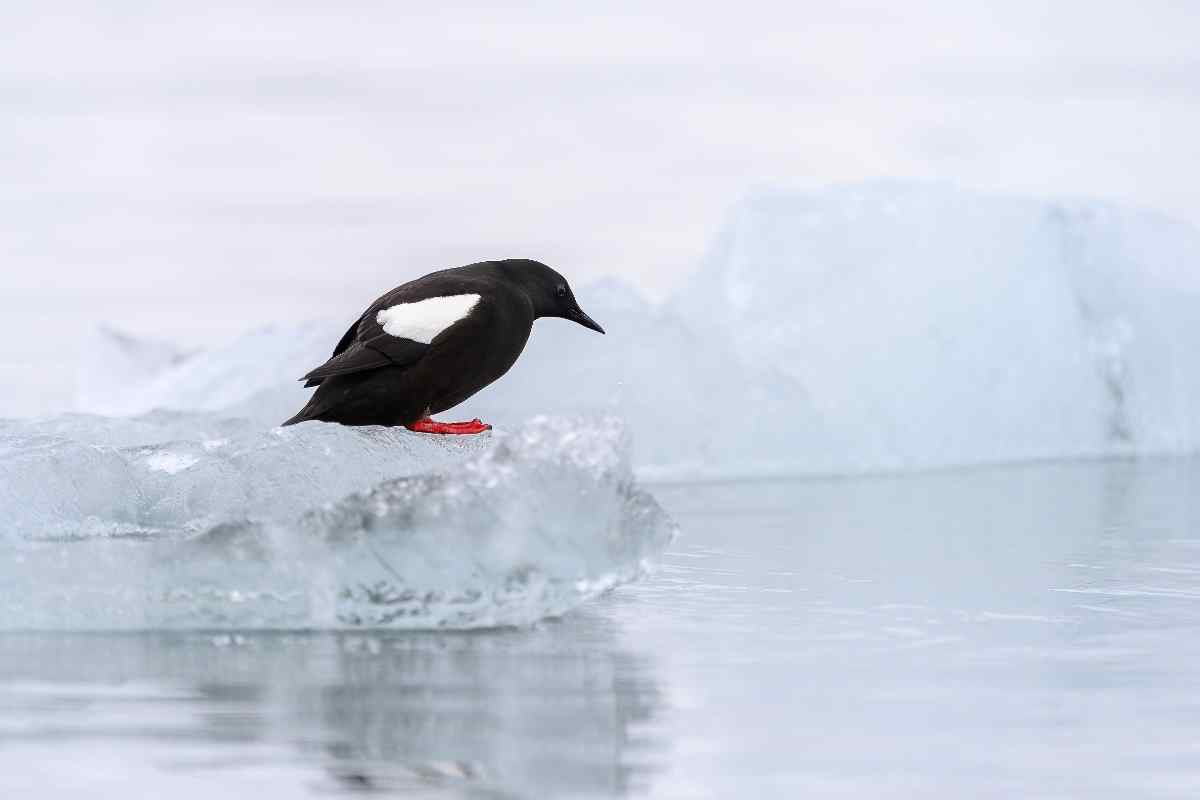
(1025, 632)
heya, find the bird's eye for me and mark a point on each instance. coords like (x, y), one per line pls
(562, 291)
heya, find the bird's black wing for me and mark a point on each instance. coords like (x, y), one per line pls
(369, 347)
(366, 346)
(347, 338)
(338, 366)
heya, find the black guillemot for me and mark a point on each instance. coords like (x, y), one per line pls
(429, 344)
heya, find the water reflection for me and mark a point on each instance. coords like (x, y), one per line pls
(1026, 631)
(546, 712)
(1009, 632)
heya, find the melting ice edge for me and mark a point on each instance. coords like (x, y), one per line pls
(182, 520)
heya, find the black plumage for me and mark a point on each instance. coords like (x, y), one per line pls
(376, 377)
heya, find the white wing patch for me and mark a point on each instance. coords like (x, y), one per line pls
(423, 320)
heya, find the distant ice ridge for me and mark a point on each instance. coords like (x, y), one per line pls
(253, 376)
(118, 524)
(883, 326)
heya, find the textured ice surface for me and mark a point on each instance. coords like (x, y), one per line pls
(874, 327)
(121, 524)
(84, 476)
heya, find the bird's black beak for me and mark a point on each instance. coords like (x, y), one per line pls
(576, 315)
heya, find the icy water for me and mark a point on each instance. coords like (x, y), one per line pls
(1023, 632)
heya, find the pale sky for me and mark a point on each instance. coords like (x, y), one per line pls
(191, 170)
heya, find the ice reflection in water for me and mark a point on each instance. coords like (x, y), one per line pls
(1014, 632)
(534, 713)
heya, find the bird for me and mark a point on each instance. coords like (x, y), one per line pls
(429, 344)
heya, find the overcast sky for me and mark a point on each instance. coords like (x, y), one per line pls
(188, 170)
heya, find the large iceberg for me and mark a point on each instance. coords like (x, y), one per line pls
(882, 326)
(194, 520)
(931, 326)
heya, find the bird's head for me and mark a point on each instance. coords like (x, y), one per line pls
(549, 292)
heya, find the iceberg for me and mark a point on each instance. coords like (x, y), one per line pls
(118, 524)
(933, 326)
(252, 377)
(883, 326)
(115, 369)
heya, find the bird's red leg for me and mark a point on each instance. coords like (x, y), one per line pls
(427, 425)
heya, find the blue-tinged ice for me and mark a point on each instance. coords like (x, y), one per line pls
(929, 326)
(189, 520)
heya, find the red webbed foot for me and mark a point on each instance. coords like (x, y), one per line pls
(428, 425)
